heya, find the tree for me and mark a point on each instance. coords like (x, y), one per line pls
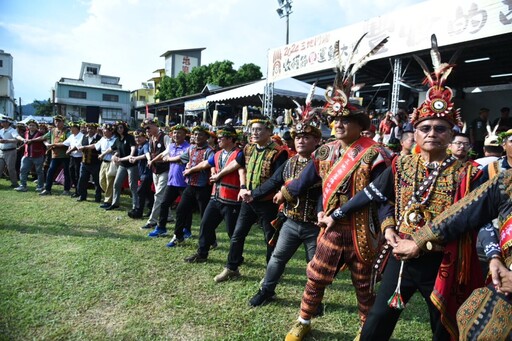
(43, 108)
(218, 73)
(248, 72)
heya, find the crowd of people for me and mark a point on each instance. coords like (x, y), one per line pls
(426, 215)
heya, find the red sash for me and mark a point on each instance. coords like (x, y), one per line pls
(344, 167)
(506, 235)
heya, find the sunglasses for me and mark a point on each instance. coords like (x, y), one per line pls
(425, 129)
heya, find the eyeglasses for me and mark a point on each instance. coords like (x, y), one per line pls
(425, 129)
(462, 144)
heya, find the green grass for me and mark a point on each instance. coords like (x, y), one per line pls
(72, 271)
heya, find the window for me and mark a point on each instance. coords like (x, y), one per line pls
(112, 114)
(142, 98)
(92, 70)
(110, 98)
(1, 63)
(77, 94)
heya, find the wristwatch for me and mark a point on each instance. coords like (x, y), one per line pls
(243, 187)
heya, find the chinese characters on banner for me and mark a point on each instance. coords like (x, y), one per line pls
(409, 29)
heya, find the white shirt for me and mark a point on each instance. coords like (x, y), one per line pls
(8, 134)
(103, 145)
(74, 141)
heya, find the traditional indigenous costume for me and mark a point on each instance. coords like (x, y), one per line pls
(198, 189)
(352, 243)
(223, 204)
(486, 314)
(420, 191)
(261, 162)
(296, 224)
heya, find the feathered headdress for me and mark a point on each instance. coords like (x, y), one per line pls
(305, 118)
(438, 102)
(338, 95)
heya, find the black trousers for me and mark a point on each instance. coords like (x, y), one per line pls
(170, 195)
(145, 194)
(215, 213)
(418, 275)
(262, 211)
(191, 196)
(86, 171)
(74, 171)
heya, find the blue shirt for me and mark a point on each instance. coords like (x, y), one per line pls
(144, 170)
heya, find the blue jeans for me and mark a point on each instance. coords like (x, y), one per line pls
(26, 165)
(291, 236)
(50, 177)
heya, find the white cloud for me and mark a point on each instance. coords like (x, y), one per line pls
(128, 37)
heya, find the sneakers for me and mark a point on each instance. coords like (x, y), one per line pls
(147, 227)
(158, 232)
(175, 241)
(226, 275)
(45, 192)
(39, 189)
(187, 234)
(298, 332)
(21, 189)
(196, 258)
(66, 193)
(261, 298)
(105, 205)
(111, 207)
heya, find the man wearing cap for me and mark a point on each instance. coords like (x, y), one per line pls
(262, 158)
(73, 142)
(90, 165)
(198, 189)
(418, 188)
(8, 141)
(345, 166)
(223, 204)
(158, 144)
(145, 176)
(55, 138)
(33, 156)
(103, 146)
(299, 215)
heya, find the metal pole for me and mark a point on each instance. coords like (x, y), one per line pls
(287, 27)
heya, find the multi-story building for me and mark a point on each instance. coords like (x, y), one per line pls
(92, 97)
(7, 102)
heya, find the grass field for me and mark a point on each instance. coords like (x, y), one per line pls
(72, 271)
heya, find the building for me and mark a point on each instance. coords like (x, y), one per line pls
(7, 102)
(92, 97)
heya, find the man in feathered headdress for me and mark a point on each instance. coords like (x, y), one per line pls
(344, 166)
(421, 186)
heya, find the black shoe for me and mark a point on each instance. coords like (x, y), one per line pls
(196, 258)
(261, 298)
(134, 214)
(111, 207)
(105, 205)
(80, 199)
(147, 227)
(75, 195)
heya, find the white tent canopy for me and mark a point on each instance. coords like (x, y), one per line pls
(288, 87)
